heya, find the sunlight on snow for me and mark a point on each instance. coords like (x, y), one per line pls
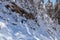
(2, 25)
(3, 37)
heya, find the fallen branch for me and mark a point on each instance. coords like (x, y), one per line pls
(21, 11)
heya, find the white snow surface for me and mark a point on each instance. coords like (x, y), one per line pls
(10, 29)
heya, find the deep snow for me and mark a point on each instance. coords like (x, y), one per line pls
(16, 27)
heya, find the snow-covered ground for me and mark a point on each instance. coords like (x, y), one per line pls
(16, 27)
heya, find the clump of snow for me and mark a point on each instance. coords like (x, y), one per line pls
(2, 25)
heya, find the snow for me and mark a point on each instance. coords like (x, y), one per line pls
(36, 38)
(16, 27)
(2, 25)
(27, 29)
